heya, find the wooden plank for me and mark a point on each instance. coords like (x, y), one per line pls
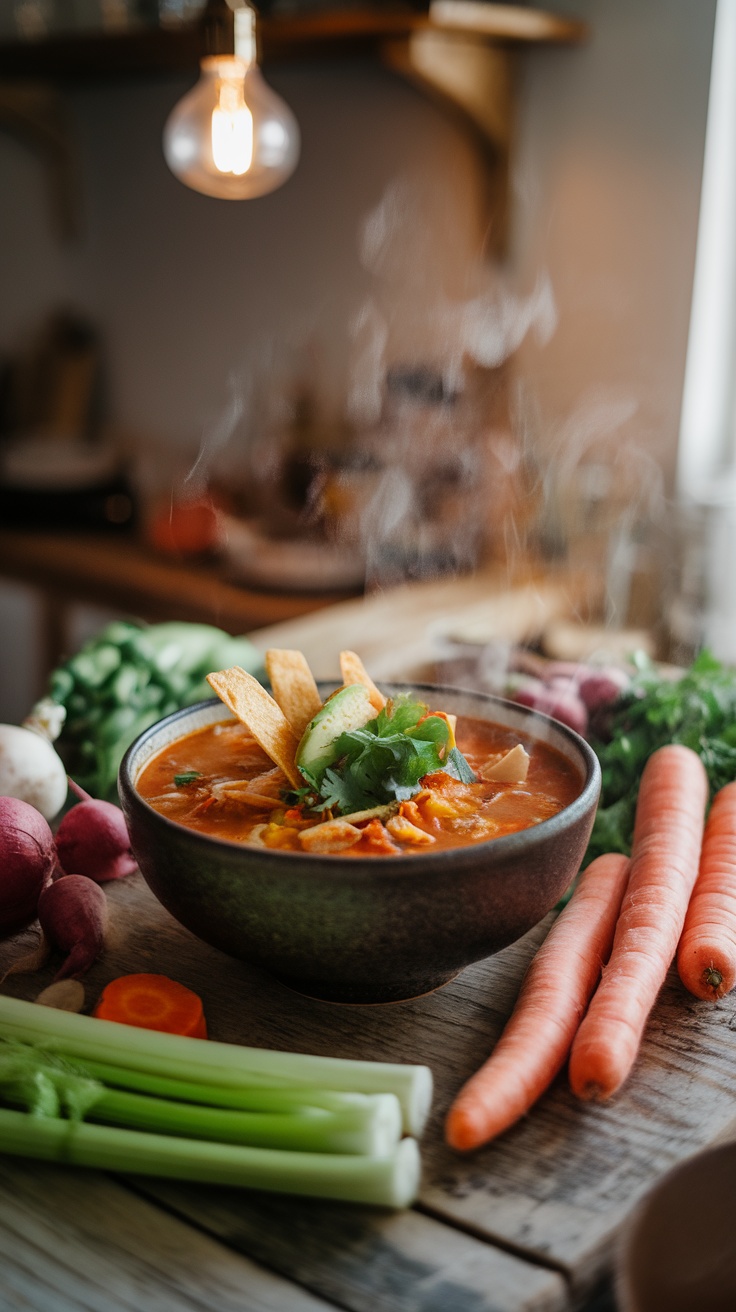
(369, 1261)
(98, 55)
(76, 1241)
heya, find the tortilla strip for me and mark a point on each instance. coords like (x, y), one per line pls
(353, 671)
(261, 714)
(293, 687)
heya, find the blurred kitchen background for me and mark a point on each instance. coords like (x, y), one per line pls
(466, 334)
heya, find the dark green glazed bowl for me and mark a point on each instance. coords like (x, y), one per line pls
(365, 931)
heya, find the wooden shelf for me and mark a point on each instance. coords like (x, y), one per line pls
(458, 52)
(99, 56)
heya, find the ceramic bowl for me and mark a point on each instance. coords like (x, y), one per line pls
(363, 931)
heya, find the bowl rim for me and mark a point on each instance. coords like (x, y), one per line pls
(402, 864)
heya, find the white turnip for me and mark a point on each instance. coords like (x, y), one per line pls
(27, 862)
(31, 770)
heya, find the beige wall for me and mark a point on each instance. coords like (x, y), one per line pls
(609, 165)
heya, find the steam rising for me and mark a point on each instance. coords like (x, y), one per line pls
(439, 458)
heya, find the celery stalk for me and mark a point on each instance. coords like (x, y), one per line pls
(373, 1130)
(221, 1064)
(251, 1099)
(390, 1181)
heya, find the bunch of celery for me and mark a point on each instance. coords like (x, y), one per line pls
(97, 1093)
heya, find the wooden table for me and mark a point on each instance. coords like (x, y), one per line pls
(528, 1224)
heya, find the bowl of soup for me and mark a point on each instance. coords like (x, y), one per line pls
(374, 905)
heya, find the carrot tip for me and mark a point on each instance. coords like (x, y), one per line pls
(590, 1091)
(712, 978)
(464, 1130)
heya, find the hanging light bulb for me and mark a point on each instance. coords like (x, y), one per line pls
(231, 136)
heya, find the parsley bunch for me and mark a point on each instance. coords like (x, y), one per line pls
(698, 710)
(386, 760)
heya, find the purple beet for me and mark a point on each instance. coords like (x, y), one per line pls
(92, 840)
(27, 861)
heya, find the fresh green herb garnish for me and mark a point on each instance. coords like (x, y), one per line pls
(293, 796)
(386, 760)
(698, 710)
(187, 777)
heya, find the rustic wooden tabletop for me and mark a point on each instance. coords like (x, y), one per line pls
(528, 1223)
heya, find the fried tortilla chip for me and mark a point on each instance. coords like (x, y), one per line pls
(293, 687)
(353, 671)
(261, 714)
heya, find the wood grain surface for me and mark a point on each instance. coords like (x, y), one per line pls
(517, 1225)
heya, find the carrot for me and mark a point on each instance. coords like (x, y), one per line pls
(668, 831)
(555, 993)
(152, 1002)
(706, 957)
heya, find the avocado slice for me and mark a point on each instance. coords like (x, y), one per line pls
(347, 709)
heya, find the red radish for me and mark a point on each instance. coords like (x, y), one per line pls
(73, 916)
(598, 688)
(27, 861)
(92, 840)
(561, 705)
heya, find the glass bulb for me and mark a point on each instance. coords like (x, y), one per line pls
(231, 136)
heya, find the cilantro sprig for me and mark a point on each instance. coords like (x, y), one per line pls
(386, 760)
(187, 777)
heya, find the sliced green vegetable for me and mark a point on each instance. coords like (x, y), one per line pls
(348, 709)
(187, 777)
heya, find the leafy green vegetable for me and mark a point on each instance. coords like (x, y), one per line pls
(128, 677)
(698, 710)
(386, 760)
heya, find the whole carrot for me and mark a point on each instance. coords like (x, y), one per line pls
(554, 995)
(668, 832)
(706, 957)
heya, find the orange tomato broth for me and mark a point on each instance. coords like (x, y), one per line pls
(451, 814)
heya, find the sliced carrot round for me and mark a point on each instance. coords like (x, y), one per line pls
(152, 1002)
